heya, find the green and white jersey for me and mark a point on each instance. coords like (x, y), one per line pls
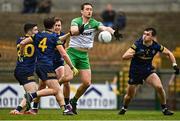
(86, 39)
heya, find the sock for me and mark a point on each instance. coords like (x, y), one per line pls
(34, 95)
(35, 105)
(19, 108)
(74, 99)
(163, 106)
(66, 101)
(124, 107)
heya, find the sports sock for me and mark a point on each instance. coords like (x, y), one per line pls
(35, 105)
(124, 107)
(66, 101)
(74, 99)
(33, 95)
(19, 108)
(163, 106)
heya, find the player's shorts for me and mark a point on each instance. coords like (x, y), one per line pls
(138, 78)
(79, 58)
(45, 72)
(58, 63)
(24, 75)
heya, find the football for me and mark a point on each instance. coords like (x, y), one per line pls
(105, 36)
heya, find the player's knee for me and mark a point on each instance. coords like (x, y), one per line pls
(87, 83)
(159, 88)
(129, 96)
(66, 84)
(55, 91)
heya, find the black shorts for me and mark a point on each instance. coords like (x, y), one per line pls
(138, 78)
(24, 75)
(45, 72)
(58, 63)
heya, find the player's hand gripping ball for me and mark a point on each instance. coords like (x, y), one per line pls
(105, 37)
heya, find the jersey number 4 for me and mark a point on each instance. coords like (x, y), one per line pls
(42, 44)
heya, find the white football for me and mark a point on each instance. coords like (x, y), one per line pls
(105, 36)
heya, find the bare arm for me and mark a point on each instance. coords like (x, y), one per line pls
(104, 28)
(169, 54)
(128, 54)
(64, 37)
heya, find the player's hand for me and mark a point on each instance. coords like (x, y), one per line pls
(75, 71)
(81, 29)
(117, 34)
(176, 69)
(139, 53)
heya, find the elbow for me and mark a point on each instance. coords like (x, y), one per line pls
(124, 57)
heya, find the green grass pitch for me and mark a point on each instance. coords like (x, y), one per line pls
(90, 115)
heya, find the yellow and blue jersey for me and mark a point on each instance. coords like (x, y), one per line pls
(25, 66)
(144, 61)
(29, 57)
(45, 43)
(141, 65)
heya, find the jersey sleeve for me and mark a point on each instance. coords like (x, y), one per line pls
(159, 47)
(96, 23)
(134, 46)
(57, 41)
(75, 22)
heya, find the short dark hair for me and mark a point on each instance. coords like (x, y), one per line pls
(29, 26)
(49, 22)
(153, 30)
(57, 19)
(82, 6)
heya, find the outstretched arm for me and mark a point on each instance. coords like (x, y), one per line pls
(116, 32)
(64, 37)
(170, 55)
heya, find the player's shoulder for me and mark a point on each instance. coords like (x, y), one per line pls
(77, 20)
(139, 41)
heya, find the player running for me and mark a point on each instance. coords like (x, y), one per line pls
(141, 54)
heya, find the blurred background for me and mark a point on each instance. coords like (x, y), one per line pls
(132, 17)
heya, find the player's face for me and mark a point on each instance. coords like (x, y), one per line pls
(147, 36)
(57, 26)
(87, 11)
(35, 30)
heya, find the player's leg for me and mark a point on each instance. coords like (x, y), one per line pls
(66, 85)
(66, 92)
(36, 101)
(155, 81)
(26, 78)
(68, 74)
(130, 93)
(59, 96)
(85, 76)
(60, 72)
(29, 87)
